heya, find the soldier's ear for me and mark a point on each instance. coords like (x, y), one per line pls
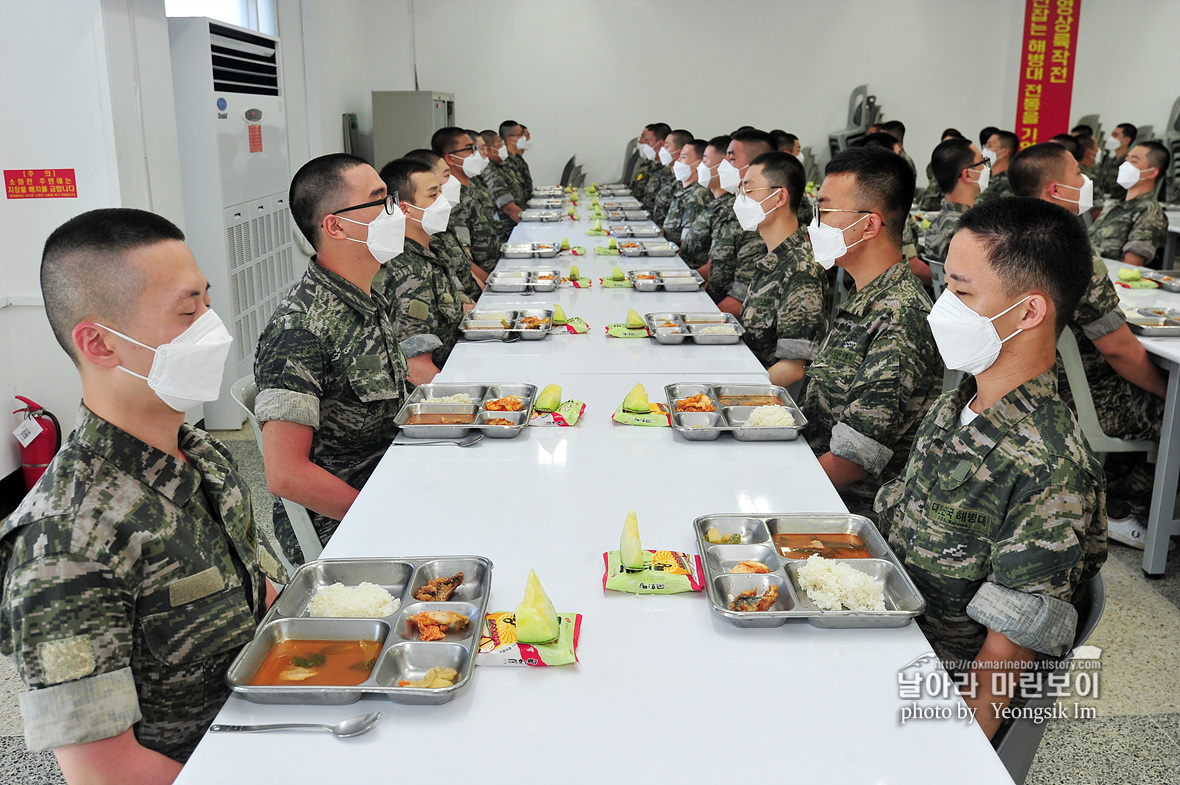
(333, 227)
(94, 345)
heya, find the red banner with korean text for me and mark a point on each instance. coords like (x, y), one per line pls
(1046, 69)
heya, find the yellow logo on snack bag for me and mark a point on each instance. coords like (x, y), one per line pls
(670, 562)
(500, 630)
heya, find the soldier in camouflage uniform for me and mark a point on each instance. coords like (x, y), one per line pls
(658, 193)
(783, 314)
(449, 244)
(514, 135)
(328, 367)
(877, 372)
(997, 188)
(1126, 409)
(1134, 230)
(132, 572)
(733, 252)
(696, 236)
(689, 199)
(942, 228)
(503, 183)
(998, 516)
(425, 300)
(1121, 139)
(1000, 149)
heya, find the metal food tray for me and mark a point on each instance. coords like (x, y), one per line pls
(640, 230)
(668, 280)
(613, 190)
(541, 215)
(1169, 280)
(1150, 325)
(656, 248)
(478, 410)
(523, 281)
(545, 203)
(688, 325)
(402, 656)
(621, 203)
(487, 325)
(549, 190)
(725, 418)
(903, 601)
(528, 250)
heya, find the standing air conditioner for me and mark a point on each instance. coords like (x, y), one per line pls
(232, 129)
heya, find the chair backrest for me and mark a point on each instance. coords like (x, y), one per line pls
(244, 392)
(937, 276)
(1083, 401)
(568, 171)
(630, 158)
(578, 177)
(1019, 745)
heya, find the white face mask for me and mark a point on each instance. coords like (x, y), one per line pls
(967, 341)
(750, 213)
(436, 216)
(472, 164)
(1085, 199)
(523, 144)
(985, 176)
(989, 156)
(827, 242)
(665, 156)
(387, 234)
(728, 177)
(502, 152)
(187, 370)
(682, 171)
(647, 151)
(1129, 175)
(451, 189)
(704, 174)
(1112, 144)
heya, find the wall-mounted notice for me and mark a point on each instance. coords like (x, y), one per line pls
(1046, 69)
(40, 184)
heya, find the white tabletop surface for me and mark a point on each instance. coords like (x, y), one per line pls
(1131, 299)
(663, 687)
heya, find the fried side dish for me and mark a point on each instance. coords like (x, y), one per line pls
(697, 403)
(435, 678)
(750, 601)
(509, 403)
(534, 322)
(439, 589)
(498, 421)
(755, 567)
(434, 625)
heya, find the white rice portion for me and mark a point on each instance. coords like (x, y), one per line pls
(456, 398)
(834, 586)
(717, 330)
(770, 416)
(363, 601)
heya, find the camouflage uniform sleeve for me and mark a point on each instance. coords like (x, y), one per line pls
(413, 316)
(663, 200)
(749, 248)
(1098, 313)
(938, 236)
(1035, 561)
(695, 239)
(1148, 233)
(886, 380)
(802, 318)
(72, 644)
(722, 252)
(498, 187)
(909, 239)
(289, 371)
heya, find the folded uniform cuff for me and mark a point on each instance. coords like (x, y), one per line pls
(1140, 248)
(76, 712)
(1104, 325)
(795, 349)
(424, 343)
(288, 406)
(1035, 621)
(851, 445)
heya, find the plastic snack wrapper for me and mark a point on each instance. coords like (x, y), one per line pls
(567, 414)
(664, 572)
(498, 645)
(658, 416)
(611, 283)
(623, 331)
(576, 325)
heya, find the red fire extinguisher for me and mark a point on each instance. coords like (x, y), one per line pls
(36, 455)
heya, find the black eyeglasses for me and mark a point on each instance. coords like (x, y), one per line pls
(390, 203)
(467, 149)
(819, 213)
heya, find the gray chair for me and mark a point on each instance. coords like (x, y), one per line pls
(578, 177)
(1100, 443)
(244, 391)
(1019, 745)
(630, 159)
(568, 171)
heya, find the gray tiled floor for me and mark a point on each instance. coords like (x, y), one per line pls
(1133, 748)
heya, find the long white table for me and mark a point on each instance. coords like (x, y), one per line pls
(663, 687)
(1161, 520)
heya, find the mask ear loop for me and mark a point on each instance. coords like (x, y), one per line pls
(1001, 313)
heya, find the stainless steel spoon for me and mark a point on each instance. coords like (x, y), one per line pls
(353, 726)
(466, 441)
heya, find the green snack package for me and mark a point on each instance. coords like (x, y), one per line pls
(498, 644)
(658, 416)
(664, 572)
